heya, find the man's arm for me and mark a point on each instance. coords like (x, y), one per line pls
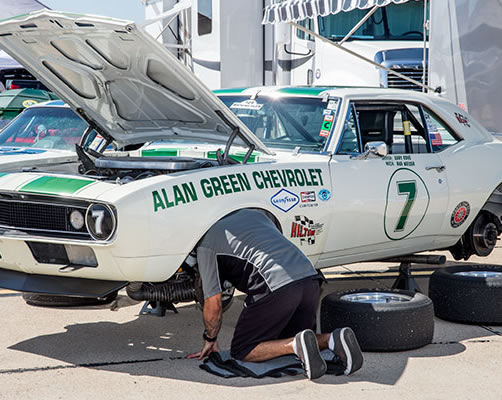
(212, 322)
(212, 315)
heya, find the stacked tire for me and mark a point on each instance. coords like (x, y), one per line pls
(469, 294)
(382, 319)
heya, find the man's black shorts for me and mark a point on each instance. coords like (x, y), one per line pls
(278, 315)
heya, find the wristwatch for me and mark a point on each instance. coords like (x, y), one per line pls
(208, 338)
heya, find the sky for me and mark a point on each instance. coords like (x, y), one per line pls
(125, 9)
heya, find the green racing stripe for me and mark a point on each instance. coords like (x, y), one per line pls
(55, 185)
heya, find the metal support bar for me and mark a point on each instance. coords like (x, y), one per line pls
(390, 71)
(358, 25)
(426, 28)
(417, 259)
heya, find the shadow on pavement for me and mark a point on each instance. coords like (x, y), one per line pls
(156, 347)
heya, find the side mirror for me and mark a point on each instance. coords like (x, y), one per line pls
(373, 150)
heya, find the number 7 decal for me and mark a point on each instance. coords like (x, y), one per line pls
(408, 188)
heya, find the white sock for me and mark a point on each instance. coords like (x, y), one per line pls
(294, 347)
(331, 343)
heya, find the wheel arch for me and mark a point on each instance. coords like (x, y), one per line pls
(206, 228)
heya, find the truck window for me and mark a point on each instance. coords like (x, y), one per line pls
(204, 17)
(309, 24)
(393, 22)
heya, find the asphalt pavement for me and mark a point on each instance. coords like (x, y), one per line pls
(96, 353)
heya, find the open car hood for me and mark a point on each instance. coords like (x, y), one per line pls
(119, 79)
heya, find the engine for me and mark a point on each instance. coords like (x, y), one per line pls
(127, 169)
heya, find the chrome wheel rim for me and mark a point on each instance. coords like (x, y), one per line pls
(376, 297)
(480, 274)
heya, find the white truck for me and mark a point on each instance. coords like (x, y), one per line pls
(226, 49)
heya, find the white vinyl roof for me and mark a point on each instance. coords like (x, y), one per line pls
(297, 10)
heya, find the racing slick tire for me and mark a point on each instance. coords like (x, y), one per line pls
(382, 319)
(49, 300)
(469, 294)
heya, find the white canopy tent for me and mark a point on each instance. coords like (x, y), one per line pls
(297, 10)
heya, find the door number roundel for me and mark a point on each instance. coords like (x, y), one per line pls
(407, 204)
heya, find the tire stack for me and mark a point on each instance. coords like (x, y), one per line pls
(382, 319)
(470, 294)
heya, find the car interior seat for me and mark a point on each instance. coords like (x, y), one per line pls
(376, 126)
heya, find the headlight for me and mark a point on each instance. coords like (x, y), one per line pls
(77, 220)
(100, 221)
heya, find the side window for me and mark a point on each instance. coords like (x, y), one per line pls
(204, 17)
(309, 24)
(350, 138)
(440, 135)
(398, 125)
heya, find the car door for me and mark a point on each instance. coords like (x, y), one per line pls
(384, 206)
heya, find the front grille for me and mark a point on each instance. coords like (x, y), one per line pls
(394, 81)
(35, 215)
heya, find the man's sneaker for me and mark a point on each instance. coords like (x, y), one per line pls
(307, 350)
(347, 349)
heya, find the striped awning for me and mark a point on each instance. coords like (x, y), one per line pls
(298, 10)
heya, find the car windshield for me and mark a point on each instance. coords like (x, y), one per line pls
(393, 22)
(44, 127)
(286, 122)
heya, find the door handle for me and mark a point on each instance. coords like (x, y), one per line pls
(440, 168)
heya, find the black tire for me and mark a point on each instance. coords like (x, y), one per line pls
(388, 326)
(467, 299)
(49, 300)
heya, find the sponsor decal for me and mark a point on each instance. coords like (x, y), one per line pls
(305, 229)
(326, 125)
(187, 192)
(462, 119)
(332, 104)
(327, 112)
(436, 139)
(247, 105)
(324, 195)
(29, 102)
(284, 200)
(307, 197)
(460, 214)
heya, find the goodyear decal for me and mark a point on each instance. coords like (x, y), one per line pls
(55, 185)
(222, 185)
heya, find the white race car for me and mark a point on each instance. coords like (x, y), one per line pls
(348, 174)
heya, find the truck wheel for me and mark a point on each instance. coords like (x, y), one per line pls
(382, 319)
(49, 300)
(468, 293)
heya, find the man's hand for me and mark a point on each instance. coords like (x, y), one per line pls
(207, 349)
(212, 322)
